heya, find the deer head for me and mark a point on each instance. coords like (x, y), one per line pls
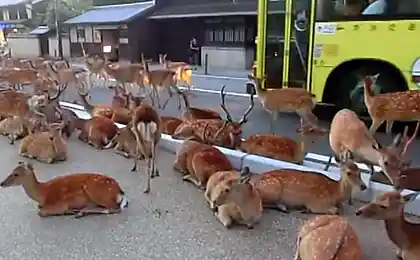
(236, 191)
(19, 175)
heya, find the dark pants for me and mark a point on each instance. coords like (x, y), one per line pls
(194, 58)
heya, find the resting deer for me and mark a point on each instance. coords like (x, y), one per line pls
(78, 193)
(193, 113)
(284, 189)
(349, 133)
(328, 237)
(146, 127)
(169, 124)
(162, 78)
(14, 128)
(390, 107)
(198, 161)
(237, 201)
(390, 208)
(124, 143)
(226, 133)
(97, 131)
(286, 100)
(47, 147)
(282, 148)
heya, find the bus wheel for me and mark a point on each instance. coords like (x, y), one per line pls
(352, 90)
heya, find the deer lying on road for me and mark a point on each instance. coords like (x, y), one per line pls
(286, 100)
(235, 198)
(194, 113)
(47, 147)
(170, 124)
(78, 193)
(390, 208)
(328, 237)
(289, 188)
(349, 133)
(281, 147)
(390, 107)
(146, 127)
(226, 133)
(97, 131)
(124, 143)
(14, 128)
(198, 161)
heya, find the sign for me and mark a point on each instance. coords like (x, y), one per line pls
(326, 28)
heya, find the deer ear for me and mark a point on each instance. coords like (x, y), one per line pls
(410, 197)
(375, 77)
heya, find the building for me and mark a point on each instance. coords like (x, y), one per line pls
(225, 29)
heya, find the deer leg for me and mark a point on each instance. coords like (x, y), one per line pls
(223, 214)
(149, 175)
(376, 123)
(155, 170)
(274, 116)
(54, 210)
(96, 210)
(297, 254)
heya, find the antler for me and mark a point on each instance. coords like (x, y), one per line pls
(407, 141)
(223, 106)
(244, 119)
(60, 90)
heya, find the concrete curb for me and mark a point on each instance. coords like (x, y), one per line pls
(258, 164)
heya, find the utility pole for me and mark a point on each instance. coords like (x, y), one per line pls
(58, 30)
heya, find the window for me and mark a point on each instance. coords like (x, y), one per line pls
(229, 35)
(367, 9)
(81, 34)
(209, 35)
(239, 34)
(22, 13)
(218, 35)
(13, 13)
(124, 33)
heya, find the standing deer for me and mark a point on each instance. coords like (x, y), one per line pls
(390, 208)
(286, 100)
(78, 194)
(390, 107)
(349, 133)
(328, 237)
(146, 127)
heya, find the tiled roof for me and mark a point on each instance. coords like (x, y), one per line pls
(109, 14)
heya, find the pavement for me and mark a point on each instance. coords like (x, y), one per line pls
(172, 222)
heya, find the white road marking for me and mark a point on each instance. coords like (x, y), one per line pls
(210, 91)
(219, 77)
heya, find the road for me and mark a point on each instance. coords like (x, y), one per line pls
(172, 222)
(258, 119)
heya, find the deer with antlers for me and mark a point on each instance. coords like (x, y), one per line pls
(389, 207)
(282, 148)
(276, 101)
(77, 194)
(225, 133)
(236, 199)
(390, 107)
(328, 237)
(317, 193)
(198, 161)
(349, 133)
(146, 127)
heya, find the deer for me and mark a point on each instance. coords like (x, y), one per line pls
(77, 194)
(316, 193)
(193, 113)
(282, 148)
(276, 101)
(95, 63)
(226, 133)
(97, 131)
(169, 124)
(14, 128)
(348, 132)
(146, 126)
(198, 161)
(182, 69)
(236, 199)
(390, 107)
(47, 147)
(389, 207)
(328, 237)
(124, 143)
(162, 78)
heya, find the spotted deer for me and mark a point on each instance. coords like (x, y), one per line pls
(97, 131)
(390, 107)
(124, 143)
(169, 124)
(236, 199)
(389, 207)
(76, 194)
(328, 237)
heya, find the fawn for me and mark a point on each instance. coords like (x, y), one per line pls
(328, 237)
(390, 208)
(390, 107)
(78, 193)
(314, 192)
(47, 147)
(198, 161)
(237, 201)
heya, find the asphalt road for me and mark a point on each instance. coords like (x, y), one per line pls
(172, 222)
(258, 119)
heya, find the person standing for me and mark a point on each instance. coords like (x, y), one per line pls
(194, 51)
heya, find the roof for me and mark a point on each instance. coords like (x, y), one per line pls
(16, 2)
(213, 9)
(109, 14)
(40, 30)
